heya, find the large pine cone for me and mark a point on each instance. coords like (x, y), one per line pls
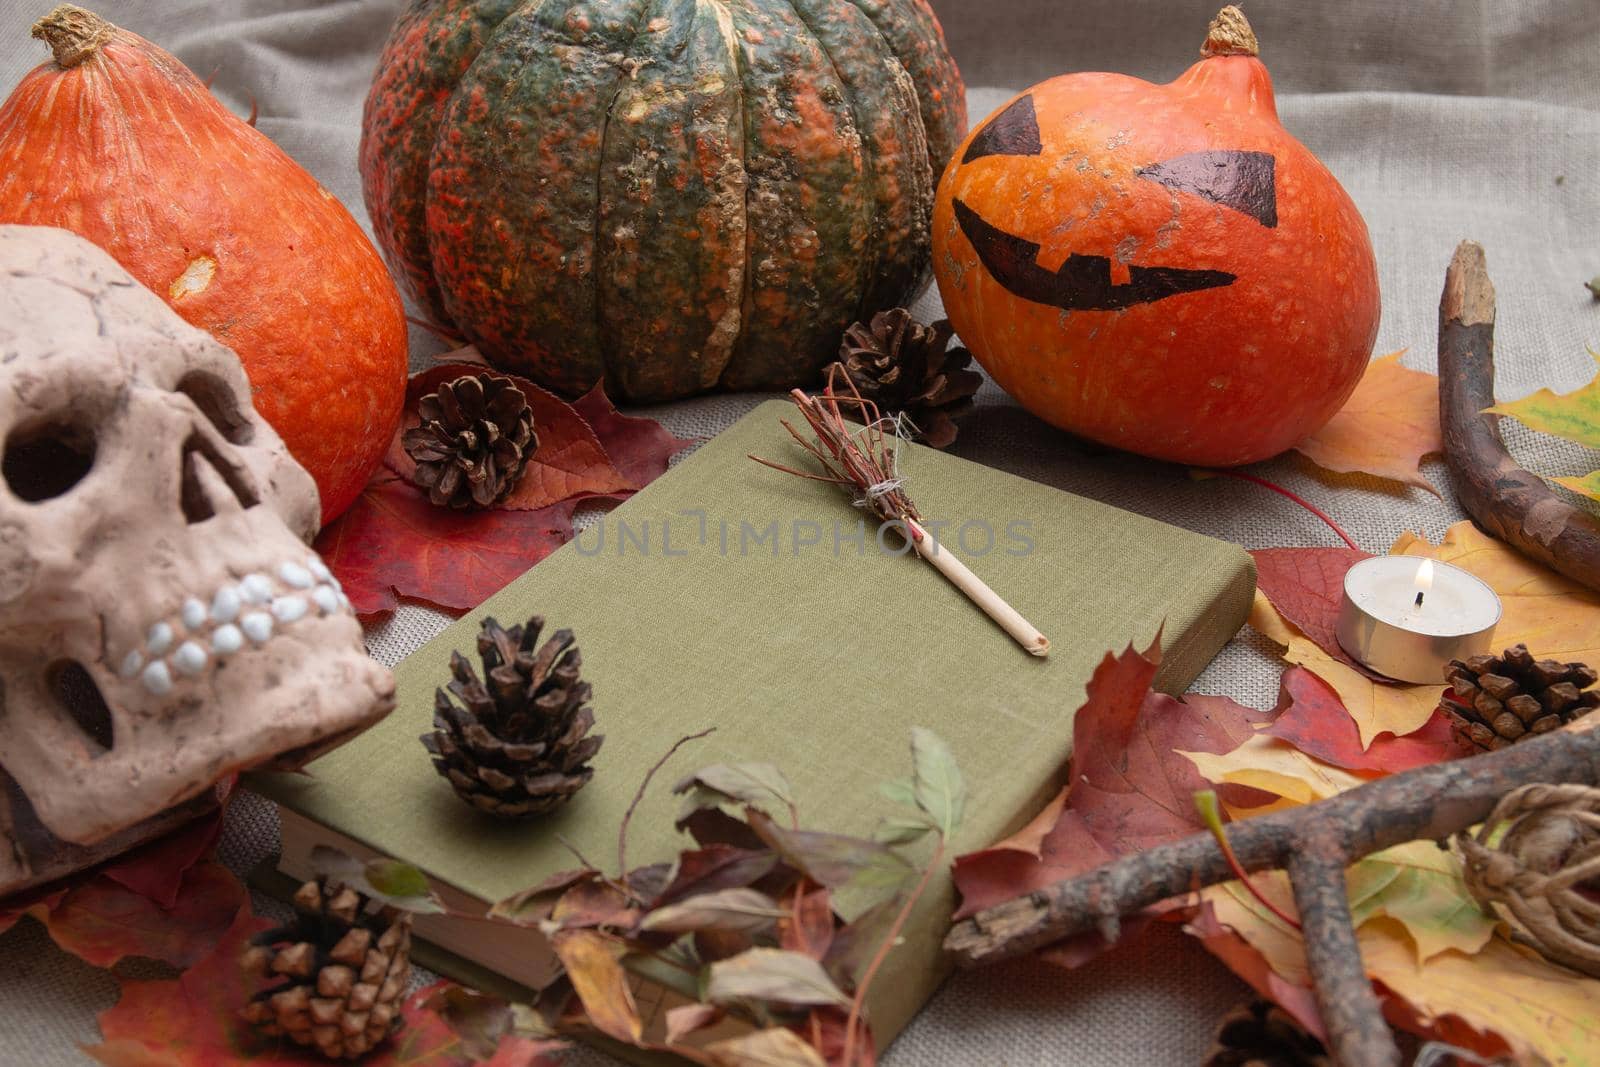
(346, 973)
(1495, 701)
(518, 745)
(904, 367)
(1261, 1034)
(475, 439)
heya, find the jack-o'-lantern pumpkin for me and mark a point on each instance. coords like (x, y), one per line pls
(1162, 268)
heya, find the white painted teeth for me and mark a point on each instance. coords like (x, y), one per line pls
(296, 576)
(326, 599)
(225, 605)
(159, 639)
(245, 612)
(226, 639)
(190, 658)
(256, 589)
(257, 626)
(157, 678)
(288, 608)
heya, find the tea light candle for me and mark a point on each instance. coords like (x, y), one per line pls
(1406, 617)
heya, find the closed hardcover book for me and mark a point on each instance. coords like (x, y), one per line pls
(730, 595)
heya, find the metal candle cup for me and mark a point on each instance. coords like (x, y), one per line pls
(1406, 617)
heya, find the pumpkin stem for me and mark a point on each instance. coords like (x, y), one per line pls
(73, 34)
(1230, 35)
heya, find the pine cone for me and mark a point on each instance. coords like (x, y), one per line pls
(1261, 1034)
(475, 439)
(346, 973)
(517, 746)
(903, 366)
(1494, 701)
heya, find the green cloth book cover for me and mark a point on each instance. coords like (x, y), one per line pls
(729, 595)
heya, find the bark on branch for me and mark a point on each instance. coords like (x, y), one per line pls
(1314, 843)
(1511, 503)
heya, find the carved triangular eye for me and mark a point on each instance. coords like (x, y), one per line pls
(1013, 132)
(1242, 181)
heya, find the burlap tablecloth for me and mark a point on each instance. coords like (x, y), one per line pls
(1444, 119)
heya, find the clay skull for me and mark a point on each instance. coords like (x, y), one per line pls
(162, 622)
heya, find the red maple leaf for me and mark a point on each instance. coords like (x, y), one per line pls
(165, 901)
(570, 460)
(1306, 585)
(193, 1021)
(641, 449)
(1127, 788)
(393, 543)
(1312, 719)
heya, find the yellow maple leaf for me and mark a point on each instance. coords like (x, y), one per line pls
(1274, 766)
(1555, 617)
(1546, 1014)
(1416, 883)
(1389, 423)
(1574, 415)
(1588, 485)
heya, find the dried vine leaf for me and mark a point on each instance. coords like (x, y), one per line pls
(592, 963)
(773, 1047)
(1386, 427)
(772, 974)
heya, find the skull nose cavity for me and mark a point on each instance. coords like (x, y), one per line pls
(77, 694)
(212, 485)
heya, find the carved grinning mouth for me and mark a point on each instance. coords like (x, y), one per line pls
(1237, 180)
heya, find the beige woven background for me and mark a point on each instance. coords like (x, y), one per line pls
(1443, 118)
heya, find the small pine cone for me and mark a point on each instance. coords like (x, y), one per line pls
(518, 745)
(345, 973)
(1495, 701)
(1261, 1034)
(474, 441)
(905, 367)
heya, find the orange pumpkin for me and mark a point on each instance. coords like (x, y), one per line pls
(1162, 268)
(117, 141)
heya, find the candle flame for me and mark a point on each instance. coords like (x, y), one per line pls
(1425, 576)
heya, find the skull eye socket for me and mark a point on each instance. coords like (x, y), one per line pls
(78, 695)
(218, 404)
(45, 459)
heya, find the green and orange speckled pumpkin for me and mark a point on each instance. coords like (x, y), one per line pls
(670, 195)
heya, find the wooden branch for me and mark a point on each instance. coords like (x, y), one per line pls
(1509, 502)
(1350, 1010)
(1312, 841)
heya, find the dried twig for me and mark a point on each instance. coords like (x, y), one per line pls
(866, 461)
(633, 805)
(1511, 503)
(1315, 843)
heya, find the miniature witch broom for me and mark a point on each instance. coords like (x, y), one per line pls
(865, 460)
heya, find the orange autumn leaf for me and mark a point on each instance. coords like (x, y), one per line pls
(1386, 427)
